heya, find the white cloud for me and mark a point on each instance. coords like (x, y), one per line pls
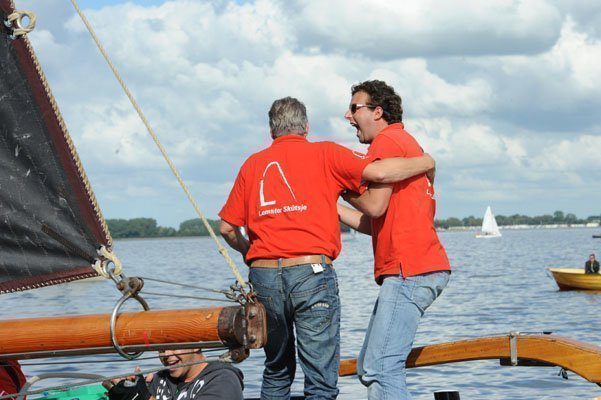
(576, 155)
(466, 145)
(578, 54)
(504, 92)
(389, 30)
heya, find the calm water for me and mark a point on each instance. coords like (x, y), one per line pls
(497, 285)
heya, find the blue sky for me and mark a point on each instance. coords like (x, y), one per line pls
(504, 93)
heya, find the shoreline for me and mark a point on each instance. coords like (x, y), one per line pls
(520, 227)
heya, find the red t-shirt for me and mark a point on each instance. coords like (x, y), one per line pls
(11, 377)
(286, 197)
(404, 239)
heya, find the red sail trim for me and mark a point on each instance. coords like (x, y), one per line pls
(54, 278)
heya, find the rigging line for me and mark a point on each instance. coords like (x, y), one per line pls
(124, 375)
(104, 361)
(222, 250)
(184, 285)
(182, 296)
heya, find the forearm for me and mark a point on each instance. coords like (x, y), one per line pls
(233, 237)
(397, 169)
(373, 202)
(355, 219)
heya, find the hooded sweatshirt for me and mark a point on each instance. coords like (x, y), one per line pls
(216, 381)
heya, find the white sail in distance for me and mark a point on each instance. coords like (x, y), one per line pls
(489, 225)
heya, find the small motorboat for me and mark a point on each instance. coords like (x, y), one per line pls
(596, 236)
(575, 279)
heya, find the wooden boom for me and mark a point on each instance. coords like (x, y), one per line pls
(235, 327)
(529, 350)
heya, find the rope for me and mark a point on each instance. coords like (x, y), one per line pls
(183, 296)
(17, 18)
(186, 285)
(222, 250)
(100, 266)
(106, 360)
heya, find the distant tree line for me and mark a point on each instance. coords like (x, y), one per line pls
(148, 228)
(558, 217)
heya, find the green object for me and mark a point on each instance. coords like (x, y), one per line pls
(91, 392)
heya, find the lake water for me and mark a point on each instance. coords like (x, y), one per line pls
(497, 285)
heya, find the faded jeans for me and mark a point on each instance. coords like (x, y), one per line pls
(389, 337)
(297, 297)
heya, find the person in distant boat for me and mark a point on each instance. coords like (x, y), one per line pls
(196, 381)
(286, 197)
(592, 265)
(12, 378)
(410, 263)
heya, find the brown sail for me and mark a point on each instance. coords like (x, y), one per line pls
(50, 223)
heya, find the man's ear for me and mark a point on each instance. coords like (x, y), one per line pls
(306, 129)
(378, 113)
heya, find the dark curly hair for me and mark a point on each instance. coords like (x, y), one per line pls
(384, 96)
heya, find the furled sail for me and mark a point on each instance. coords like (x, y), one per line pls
(50, 223)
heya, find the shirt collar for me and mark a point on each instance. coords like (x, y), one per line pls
(396, 125)
(289, 138)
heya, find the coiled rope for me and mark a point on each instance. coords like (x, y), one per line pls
(222, 250)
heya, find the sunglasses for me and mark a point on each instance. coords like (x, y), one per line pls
(354, 107)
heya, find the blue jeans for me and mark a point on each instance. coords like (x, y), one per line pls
(299, 298)
(389, 337)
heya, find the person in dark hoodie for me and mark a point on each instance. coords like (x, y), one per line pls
(201, 381)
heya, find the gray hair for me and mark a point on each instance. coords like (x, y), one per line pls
(287, 115)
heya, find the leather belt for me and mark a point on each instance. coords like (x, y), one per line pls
(290, 262)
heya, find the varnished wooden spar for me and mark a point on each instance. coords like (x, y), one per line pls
(544, 350)
(228, 326)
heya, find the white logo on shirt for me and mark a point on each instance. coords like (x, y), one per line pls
(272, 202)
(360, 155)
(429, 190)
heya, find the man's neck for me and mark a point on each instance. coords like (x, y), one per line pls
(194, 372)
(382, 126)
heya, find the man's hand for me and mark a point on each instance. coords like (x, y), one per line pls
(128, 390)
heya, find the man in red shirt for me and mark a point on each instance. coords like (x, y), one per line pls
(11, 377)
(410, 263)
(285, 196)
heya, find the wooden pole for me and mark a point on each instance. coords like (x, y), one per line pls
(546, 350)
(232, 326)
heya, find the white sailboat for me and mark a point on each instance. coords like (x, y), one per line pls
(490, 229)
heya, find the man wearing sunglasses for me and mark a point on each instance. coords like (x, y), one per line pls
(285, 196)
(410, 263)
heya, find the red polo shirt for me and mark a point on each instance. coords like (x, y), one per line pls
(11, 377)
(286, 197)
(404, 239)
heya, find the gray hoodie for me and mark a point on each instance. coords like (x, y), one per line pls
(216, 381)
